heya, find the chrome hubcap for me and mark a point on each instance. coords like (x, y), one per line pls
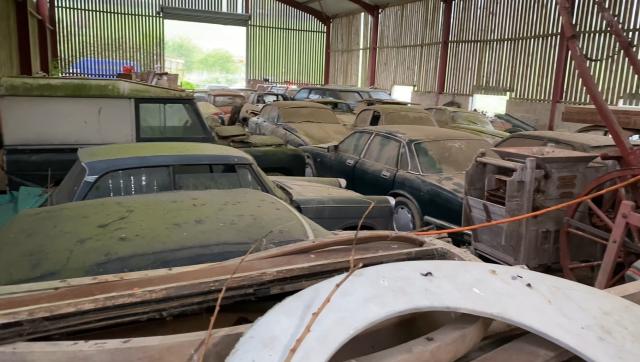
(403, 218)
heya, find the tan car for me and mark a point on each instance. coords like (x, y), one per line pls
(342, 109)
(256, 101)
(393, 115)
(466, 121)
(298, 123)
(227, 101)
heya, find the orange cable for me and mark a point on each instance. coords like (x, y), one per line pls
(531, 214)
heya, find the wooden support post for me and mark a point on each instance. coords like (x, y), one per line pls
(444, 45)
(327, 53)
(373, 47)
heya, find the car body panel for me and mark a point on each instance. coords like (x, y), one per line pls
(170, 229)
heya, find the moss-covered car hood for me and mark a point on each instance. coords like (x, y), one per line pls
(144, 232)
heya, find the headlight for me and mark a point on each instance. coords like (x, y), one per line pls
(342, 182)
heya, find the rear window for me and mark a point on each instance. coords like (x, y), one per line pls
(349, 96)
(227, 101)
(308, 115)
(409, 118)
(379, 95)
(150, 180)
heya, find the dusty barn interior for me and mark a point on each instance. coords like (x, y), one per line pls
(320, 180)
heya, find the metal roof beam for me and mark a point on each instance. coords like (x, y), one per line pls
(370, 9)
(322, 17)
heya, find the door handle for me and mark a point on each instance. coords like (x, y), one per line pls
(385, 174)
(349, 162)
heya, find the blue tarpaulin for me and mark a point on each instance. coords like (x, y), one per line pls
(100, 68)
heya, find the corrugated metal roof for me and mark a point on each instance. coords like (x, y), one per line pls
(337, 8)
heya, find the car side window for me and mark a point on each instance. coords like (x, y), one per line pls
(354, 144)
(302, 94)
(363, 118)
(162, 120)
(375, 118)
(316, 94)
(383, 150)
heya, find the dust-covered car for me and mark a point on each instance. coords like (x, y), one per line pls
(256, 101)
(145, 168)
(143, 232)
(580, 142)
(350, 95)
(227, 101)
(471, 122)
(299, 123)
(342, 109)
(421, 167)
(393, 115)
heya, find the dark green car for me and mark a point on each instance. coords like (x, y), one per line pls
(421, 167)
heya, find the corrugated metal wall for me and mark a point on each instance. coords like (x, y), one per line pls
(285, 45)
(503, 45)
(350, 50)
(610, 68)
(500, 46)
(409, 45)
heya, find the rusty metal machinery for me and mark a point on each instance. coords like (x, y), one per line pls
(610, 222)
(523, 180)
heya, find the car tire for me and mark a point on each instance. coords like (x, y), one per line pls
(309, 168)
(406, 215)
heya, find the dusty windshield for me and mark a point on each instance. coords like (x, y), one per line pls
(448, 156)
(308, 115)
(379, 95)
(409, 118)
(227, 101)
(471, 118)
(349, 96)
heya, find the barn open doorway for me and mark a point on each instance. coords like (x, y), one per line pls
(205, 55)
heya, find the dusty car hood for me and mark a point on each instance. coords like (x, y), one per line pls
(237, 136)
(124, 234)
(453, 182)
(318, 133)
(299, 189)
(490, 135)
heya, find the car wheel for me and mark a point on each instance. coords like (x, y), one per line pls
(406, 215)
(309, 168)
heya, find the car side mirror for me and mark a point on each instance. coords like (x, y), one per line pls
(332, 148)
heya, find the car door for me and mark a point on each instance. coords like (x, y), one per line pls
(347, 155)
(375, 173)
